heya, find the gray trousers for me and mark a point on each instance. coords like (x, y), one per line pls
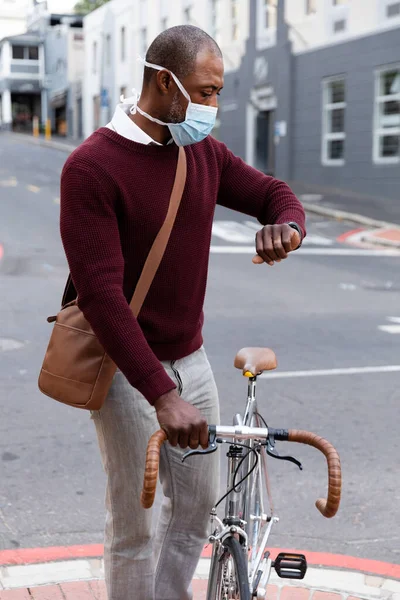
(144, 561)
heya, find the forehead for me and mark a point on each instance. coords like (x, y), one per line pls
(209, 70)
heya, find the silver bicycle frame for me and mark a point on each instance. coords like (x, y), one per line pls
(237, 519)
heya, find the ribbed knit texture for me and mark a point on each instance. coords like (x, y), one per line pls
(114, 198)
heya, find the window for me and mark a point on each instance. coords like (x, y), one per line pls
(123, 44)
(25, 52)
(18, 52)
(311, 7)
(268, 14)
(94, 58)
(235, 19)
(387, 116)
(333, 122)
(339, 26)
(393, 10)
(187, 14)
(33, 53)
(108, 50)
(143, 41)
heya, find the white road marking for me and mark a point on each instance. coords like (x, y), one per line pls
(391, 328)
(33, 188)
(244, 233)
(10, 182)
(312, 251)
(329, 372)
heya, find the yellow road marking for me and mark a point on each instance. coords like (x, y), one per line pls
(33, 188)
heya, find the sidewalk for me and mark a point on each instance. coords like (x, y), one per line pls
(76, 573)
(383, 211)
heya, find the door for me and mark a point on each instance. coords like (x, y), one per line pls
(264, 142)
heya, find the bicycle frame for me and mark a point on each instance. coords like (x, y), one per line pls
(238, 518)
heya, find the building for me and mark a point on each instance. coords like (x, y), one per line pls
(316, 98)
(312, 87)
(64, 56)
(21, 81)
(121, 30)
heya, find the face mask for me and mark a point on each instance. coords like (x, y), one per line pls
(199, 120)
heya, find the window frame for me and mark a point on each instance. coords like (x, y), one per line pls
(327, 136)
(380, 132)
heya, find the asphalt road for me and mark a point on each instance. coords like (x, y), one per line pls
(318, 310)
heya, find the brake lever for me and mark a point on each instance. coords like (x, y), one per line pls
(212, 446)
(271, 451)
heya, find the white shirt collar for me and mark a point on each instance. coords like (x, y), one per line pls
(123, 125)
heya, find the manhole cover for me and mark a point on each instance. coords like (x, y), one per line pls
(7, 344)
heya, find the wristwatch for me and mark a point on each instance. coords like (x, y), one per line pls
(294, 225)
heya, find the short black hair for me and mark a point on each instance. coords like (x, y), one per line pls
(177, 49)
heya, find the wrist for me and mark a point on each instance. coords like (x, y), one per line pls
(297, 228)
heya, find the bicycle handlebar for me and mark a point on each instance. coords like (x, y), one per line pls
(327, 507)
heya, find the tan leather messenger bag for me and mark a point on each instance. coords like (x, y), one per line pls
(76, 370)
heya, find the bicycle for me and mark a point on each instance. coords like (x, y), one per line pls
(240, 564)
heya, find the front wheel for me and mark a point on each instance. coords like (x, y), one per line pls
(228, 573)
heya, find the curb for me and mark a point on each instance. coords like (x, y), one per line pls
(342, 215)
(326, 584)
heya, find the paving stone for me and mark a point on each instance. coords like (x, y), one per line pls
(98, 588)
(47, 592)
(79, 590)
(295, 593)
(15, 595)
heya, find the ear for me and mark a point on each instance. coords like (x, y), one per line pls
(164, 81)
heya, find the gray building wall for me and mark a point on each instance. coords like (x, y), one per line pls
(356, 61)
(296, 81)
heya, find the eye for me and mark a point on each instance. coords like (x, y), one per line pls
(205, 95)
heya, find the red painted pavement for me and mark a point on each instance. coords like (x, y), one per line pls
(25, 556)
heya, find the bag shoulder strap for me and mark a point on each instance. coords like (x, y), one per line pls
(159, 245)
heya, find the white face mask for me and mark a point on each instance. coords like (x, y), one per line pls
(199, 120)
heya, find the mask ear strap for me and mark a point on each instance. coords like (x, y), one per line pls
(159, 68)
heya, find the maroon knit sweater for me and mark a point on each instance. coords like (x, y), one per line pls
(114, 198)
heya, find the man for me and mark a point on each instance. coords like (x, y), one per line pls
(115, 191)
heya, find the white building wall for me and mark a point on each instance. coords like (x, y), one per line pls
(361, 17)
(143, 21)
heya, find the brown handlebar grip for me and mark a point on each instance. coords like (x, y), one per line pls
(151, 468)
(329, 507)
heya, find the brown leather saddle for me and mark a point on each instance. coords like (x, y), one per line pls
(253, 361)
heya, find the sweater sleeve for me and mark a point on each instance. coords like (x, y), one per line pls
(90, 235)
(247, 190)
